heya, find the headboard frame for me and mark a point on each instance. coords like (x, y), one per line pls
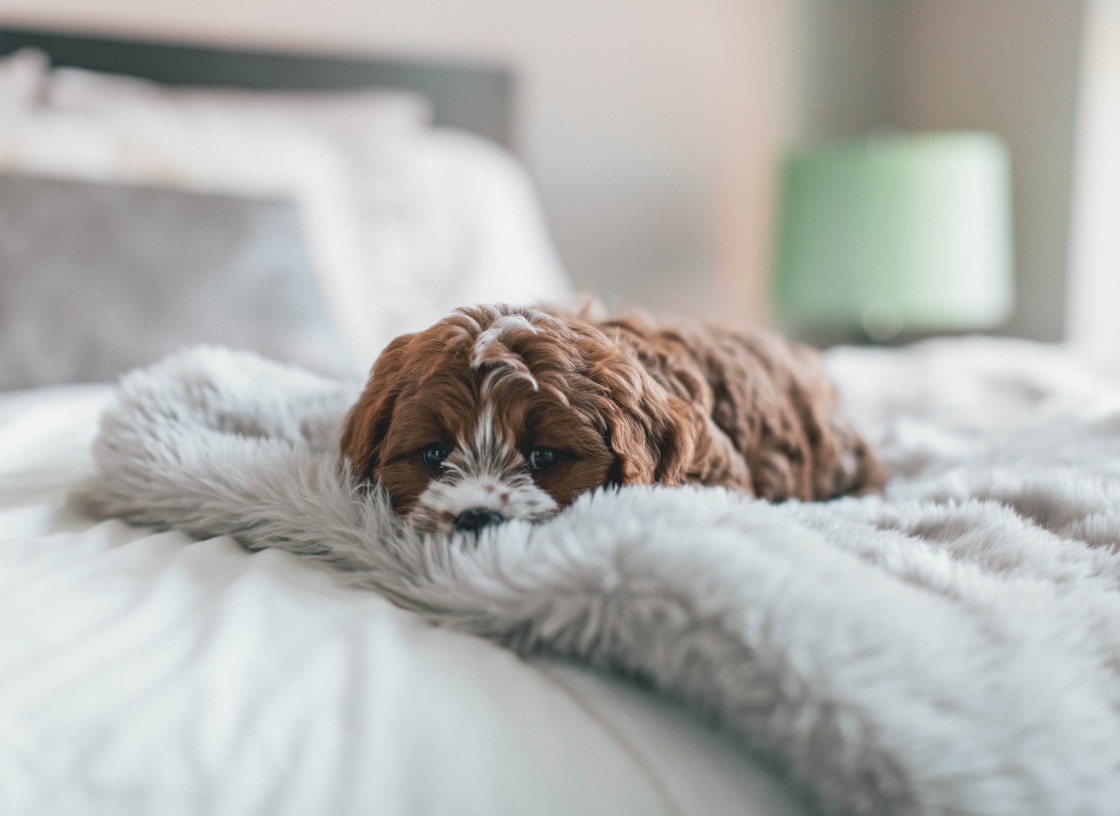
(474, 97)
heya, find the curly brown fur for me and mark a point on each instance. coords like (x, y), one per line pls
(617, 402)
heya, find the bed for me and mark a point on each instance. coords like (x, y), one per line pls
(169, 675)
(177, 637)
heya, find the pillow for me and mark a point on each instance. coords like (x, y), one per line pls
(120, 244)
(439, 219)
(101, 278)
(361, 114)
(369, 134)
(23, 78)
(482, 237)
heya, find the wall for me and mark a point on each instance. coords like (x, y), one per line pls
(843, 68)
(1095, 255)
(649, 126)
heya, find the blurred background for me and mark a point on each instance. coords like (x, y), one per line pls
(659, 135)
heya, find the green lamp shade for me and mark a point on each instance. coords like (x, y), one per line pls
(897, 232)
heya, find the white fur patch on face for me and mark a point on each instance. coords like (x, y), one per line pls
(491, 350)
(496, 333)
(484, 472)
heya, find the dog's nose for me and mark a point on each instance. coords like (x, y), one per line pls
(475, 519)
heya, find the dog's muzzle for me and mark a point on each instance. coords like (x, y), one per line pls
(476, 519)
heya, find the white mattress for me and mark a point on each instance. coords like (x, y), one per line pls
(147, 673)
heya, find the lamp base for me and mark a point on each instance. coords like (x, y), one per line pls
(824, 337)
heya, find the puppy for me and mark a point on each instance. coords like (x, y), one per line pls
(499, 413)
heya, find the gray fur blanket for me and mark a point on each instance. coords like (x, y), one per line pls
(952, 647)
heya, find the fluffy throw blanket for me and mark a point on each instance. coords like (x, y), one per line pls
(951, 647)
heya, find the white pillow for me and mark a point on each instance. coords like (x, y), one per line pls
(443, 218)
(362, 114)
(482, 237)
(368, 133)
(23, 78)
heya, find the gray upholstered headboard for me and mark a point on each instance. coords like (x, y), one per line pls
(471, 96)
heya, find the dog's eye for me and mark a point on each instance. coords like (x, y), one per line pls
(542, 458)
(433, 456)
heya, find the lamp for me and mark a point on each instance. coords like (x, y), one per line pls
(896, 234)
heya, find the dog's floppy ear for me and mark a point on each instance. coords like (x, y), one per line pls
(365, 426)
(651, 432)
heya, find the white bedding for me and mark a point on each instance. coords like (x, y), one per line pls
(148, 673)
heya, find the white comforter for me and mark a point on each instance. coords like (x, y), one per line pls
(145, 673)
(148, 673)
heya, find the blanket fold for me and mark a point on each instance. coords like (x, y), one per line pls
(951, 647)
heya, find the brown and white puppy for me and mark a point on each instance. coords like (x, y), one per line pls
(499, 413)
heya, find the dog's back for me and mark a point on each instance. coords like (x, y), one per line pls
(768, 414)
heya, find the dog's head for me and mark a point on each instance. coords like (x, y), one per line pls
(499, 413)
